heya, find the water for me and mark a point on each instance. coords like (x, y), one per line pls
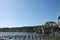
(25, 36)
(19, 35)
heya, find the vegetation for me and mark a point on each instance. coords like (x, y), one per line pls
(47, 28)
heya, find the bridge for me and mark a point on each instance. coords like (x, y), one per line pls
(49, 28)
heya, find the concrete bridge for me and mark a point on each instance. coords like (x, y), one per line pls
(49, 28)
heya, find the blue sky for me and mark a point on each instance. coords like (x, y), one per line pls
(20, 13)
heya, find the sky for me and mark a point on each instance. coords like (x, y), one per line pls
(19, 13)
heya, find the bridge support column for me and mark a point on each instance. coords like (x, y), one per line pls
(43, 31)
(52, 31)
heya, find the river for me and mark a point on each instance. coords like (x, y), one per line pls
(25, 36)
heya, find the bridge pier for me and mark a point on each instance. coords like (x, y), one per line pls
(42, 29)
(52, 31)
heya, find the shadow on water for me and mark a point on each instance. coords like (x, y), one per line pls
(32, 37)
(28, 37)
(24, 37)
(36, 37)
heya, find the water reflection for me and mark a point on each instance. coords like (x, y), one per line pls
(26, 36)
